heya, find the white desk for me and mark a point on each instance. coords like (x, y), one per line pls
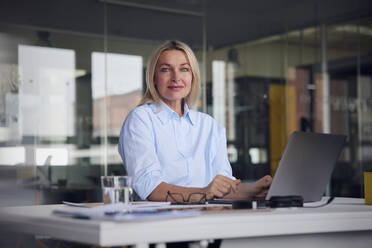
(344, 223)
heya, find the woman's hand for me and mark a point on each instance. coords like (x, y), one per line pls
(221, 186)
(260, 188)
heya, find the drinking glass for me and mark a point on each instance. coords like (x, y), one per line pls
(116, 189)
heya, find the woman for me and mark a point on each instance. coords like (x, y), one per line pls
(170, 149)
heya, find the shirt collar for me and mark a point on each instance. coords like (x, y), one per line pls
(189, 114)
(165, 113)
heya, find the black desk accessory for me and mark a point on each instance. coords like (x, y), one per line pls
(286, 201)
(242, 204)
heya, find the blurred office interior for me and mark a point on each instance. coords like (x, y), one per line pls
(70, 71)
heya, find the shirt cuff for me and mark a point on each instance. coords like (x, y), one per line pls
(145, 184)
(226, 174)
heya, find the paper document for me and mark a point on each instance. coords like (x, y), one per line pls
(75, 204)
(124, 212)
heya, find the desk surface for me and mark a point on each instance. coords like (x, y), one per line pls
(343, 215)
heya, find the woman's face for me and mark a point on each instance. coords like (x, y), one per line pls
(173, 76)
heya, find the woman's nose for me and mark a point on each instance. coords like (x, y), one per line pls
(175, 76)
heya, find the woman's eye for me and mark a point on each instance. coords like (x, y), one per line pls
(164, 69)
(185, 69)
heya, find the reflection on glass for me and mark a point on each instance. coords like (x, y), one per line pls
(51, 94)
(124, 89)
(219, 91)
(12, 155)
(47, 91)
(258, 155)
(124, 74)
(52, 156)
(232, 153)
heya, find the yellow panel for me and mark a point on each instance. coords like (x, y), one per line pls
(278, 126)
(283, 120)
(291, 110)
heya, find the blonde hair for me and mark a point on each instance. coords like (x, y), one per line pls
(151, 94)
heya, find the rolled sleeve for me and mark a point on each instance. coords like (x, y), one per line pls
(137, 149)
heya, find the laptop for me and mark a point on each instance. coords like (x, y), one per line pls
(306, 165)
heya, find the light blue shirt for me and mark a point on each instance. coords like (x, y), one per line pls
(157, 146)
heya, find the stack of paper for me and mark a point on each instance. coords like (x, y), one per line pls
(124, 212)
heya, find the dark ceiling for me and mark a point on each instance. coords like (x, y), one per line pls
(227, 22)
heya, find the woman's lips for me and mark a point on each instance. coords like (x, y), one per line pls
(175, 87)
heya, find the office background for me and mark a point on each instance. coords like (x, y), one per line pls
(70, 71)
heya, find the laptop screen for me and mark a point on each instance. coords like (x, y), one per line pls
(306, 165)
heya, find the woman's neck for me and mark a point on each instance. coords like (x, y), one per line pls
(176, 106)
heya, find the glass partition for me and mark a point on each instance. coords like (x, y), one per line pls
(67, 85)
(66, 91)
(315, 79)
